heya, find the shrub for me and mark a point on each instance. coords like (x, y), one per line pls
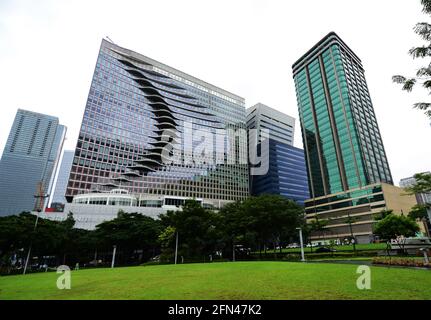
(403, 262)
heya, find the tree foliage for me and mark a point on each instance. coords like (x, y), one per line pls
(130, 232)
(423, 74)
(196, 227)
(422, 185)
(418, 212)
(256, 223)
(318, 225)
(383, 214)
(394, 226)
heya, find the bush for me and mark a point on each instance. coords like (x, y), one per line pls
(402, 262)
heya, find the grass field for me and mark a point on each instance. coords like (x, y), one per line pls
(242, 280)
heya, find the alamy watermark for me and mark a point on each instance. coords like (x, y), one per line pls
(364, 280)
(199, 146)
(64, 282)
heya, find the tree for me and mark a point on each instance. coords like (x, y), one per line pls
(272, 218)
(17, 233)
(394, 227)
(196, 227)
(419, 211)
(167, 243)
(233, 224)
(318, 226)
(130, 232)
(423, 75)
(67, 235)
(383, 214)
(422, 185)
(261, 221)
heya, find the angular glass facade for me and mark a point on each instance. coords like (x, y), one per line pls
(138, 109)
(343, 145)
(30, 158)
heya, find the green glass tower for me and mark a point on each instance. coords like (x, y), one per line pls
(344, 148)
(347, 166)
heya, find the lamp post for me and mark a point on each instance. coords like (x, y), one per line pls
(176, 249)
(113, 256)
(302, 244)
(351, 220)
(40, 197)
(31, 244)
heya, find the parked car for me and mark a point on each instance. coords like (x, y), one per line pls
(324, 250)
(293, 246)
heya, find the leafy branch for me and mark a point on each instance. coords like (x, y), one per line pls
(423, 75)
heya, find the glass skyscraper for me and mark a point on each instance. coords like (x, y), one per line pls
(58, 195)
(287, 174)
(141, 114)
(343, 145)
(29, 159)
(348, 170)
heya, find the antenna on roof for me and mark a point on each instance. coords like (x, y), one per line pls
(110, 40)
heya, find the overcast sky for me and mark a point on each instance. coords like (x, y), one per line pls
(48, 51)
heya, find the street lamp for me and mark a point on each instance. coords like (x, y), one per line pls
(31, 243)
(176, 248)
(351, 220)
(302, 244)
(40, 197)
(113, 256)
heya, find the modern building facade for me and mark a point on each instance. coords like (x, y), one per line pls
(344, 150)
(156, 131)
(281, 126)
(29, 161)
(287, 174)
(58, 195)
(91, 209)
(358, 207)
(422, 198)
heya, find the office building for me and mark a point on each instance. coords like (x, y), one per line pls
(29, 161)
(137, 109)
(286, 174)
(58, 195)
(348, 170)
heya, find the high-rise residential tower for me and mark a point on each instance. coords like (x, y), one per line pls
(58, 195)
(287, 174)
(348, 170)
(29, 161)
(137, 108)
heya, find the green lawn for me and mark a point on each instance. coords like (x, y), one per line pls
(241, 280)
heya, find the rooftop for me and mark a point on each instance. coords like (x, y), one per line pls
(157, 64)
(326, 41)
